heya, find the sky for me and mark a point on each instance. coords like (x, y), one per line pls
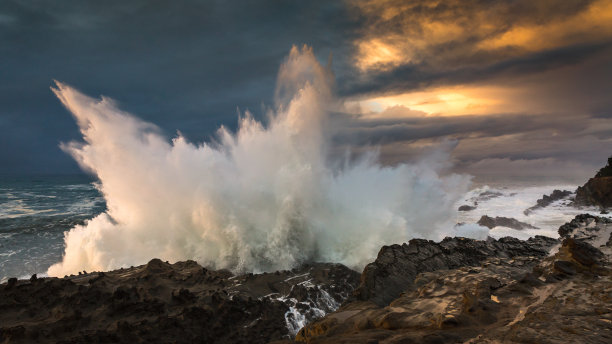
(516, 89)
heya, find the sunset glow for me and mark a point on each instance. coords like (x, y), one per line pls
(441, 101)
(446, 38)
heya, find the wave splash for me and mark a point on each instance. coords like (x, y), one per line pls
(268, 197)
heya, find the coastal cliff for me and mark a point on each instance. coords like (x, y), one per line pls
(597, 191)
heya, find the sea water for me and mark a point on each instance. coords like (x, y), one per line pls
(512, 200)
(35, 212)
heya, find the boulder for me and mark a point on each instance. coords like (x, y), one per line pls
(492, 222)
(466, 207)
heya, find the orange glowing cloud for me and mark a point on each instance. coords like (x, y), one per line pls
(592, 24)
(447, 101)
(450, 33)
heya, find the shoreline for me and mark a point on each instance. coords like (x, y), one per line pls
(185, 302)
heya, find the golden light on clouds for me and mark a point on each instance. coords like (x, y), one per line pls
(378, 53)
(455, 38)
(593, 23)
(449, 101)
(450, 33)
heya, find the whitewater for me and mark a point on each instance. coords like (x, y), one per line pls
(268, 197)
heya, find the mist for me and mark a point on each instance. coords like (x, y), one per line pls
(267, 197)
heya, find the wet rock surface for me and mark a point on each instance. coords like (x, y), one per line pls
(584, 226)
(170, 303)
(396, 267)
(458, 290)
(492, 222)
(547, 200)
(467, 291)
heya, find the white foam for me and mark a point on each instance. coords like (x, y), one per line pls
(512, 202)
(266, 198)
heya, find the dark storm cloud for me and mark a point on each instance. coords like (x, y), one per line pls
(412, 77)
(543, 147)
(184, 65)
(381, 131)
(188, 66)
(547, 62)
(405, 46)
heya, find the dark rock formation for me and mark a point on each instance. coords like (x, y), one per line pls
(170, 303)
(605, 171)
(547, 200)
(522, 295)
(457, 290)
(466, 207)
(583, 223)
(492, 222)
(396, 266)
(598, 190)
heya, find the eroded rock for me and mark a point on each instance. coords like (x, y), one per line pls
(396, 266)
(171, 303)
(547, 200)
(597, 191)
(522, 295)
(492, 222)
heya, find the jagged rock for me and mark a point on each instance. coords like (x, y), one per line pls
(396, 266)
(597, 191)
(492, 222)
(582, 252)
(583, 222)
(529, 298)
(605, 171)
(547, 200)
(456, 290)
(171, 303)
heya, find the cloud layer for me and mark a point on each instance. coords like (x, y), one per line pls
(525, 82)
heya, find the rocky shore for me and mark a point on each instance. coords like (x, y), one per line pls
(459, 290)
(547, 200)
(492, 222)
(597, 191)
(170, 303)
(468, 291)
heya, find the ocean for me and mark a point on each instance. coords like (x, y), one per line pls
(35, 212)
(511, 200)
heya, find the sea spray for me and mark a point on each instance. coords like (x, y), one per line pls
(268, 197)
